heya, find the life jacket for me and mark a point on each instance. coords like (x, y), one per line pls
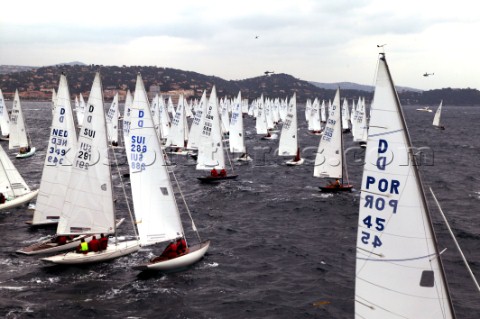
(84, 246)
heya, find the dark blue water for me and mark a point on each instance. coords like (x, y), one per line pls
(280, 248)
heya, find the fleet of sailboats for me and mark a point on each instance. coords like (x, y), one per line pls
(399, 271)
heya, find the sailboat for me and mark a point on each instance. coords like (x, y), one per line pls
(211, 155)
(88, 207)
(399, 271)
(58, 160)
(80, 110)
(237, 132)
(112, 121)
(330, 160)
(13, 189)
(4, 119)
(19, 138)
(425, 109)
(288, 144)
(437, 117)
(178, 136)
(156, 211)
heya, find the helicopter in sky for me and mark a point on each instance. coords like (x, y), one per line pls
(428, 74)
(269, 72)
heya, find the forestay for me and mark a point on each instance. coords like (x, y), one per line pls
(398, 270)
(156, 211)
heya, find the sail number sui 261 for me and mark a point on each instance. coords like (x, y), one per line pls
(379, 204)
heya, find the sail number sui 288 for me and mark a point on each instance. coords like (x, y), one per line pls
(138, 146)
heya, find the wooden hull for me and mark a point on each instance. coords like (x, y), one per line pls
(335, 189)
(113, 251)
(212, 179)
(195, 253)
(20, 200)
(25, 155)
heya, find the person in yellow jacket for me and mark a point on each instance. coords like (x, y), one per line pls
(83, 247)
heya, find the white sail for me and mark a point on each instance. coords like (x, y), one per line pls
(328, 162)
(261, 120)
(80, 111)
(4, 118)
(224, 116)
(323, 115)
(398, 269)
(210, 149)
(155, 109)
(156, 211)
(288, 143)
(345, 115)
(12, 183)
(126, 124)
(197, 123)
(438, 115)
(62, 145)
(177, 136)
(88, 207)
(112, 121)
(236, 138)
(18, 134)
(165, 121)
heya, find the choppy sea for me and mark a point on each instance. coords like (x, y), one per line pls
(279, 247)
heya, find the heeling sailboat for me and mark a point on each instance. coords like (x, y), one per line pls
(156, 210)
(19, 138)
(288, 144)
(88, 207)
(237, 132)
(399, 273)
(438, 116)
(211, 155)
(13, 189)
(330, 160)
(4, 119)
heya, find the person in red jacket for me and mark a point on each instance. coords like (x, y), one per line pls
(214, 173)
(93, 245)
(168, 253)
(181, 246)
(103, 242)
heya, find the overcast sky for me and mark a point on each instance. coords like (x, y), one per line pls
(324, 40)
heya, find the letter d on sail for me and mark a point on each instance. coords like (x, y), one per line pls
(382, 160)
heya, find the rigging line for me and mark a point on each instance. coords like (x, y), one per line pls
(184, 201)
(455, 240)
(124, 192)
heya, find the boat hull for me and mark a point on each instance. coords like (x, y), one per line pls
(196, 252)
(28, 154)
(334, 189)
(20, 200)
(47, 247)
(113, 251)
(295, 163)
(212, 179)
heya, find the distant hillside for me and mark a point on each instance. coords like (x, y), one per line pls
(37, 83)
(358, 87)
(5, 69)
